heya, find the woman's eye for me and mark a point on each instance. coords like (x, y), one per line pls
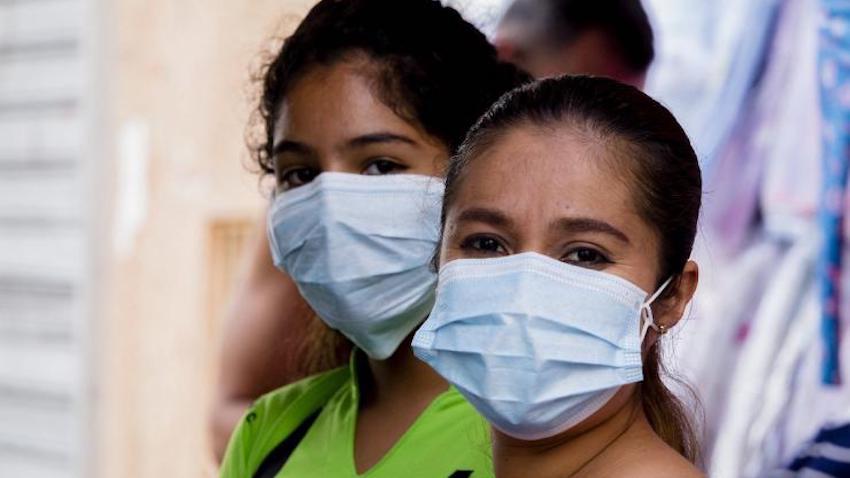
(380, 167)
(296, 177)
(585, 256)
(483, 245)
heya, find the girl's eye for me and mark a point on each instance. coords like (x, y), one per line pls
(296, 177)
(483, 245)
(585, 257)
(380, 167)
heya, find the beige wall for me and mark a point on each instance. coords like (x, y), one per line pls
(180, 68)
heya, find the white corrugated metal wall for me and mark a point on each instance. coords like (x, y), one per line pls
(45, 154)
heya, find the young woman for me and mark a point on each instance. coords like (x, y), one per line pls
(569, 217)
(363, 106)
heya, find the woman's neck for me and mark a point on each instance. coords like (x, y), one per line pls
(400, 376)
(571, 453)
(393, 393)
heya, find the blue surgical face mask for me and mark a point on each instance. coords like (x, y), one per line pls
(359, 249)
(536, 345)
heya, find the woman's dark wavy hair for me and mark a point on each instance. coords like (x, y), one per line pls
(427, 63)
(652, 152)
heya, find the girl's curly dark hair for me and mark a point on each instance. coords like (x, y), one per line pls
(431, 67)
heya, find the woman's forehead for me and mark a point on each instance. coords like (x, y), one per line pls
(529, 156)
(542, 170)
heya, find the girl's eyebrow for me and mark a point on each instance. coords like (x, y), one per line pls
(378, 138)
(288, 146)
(295, 147)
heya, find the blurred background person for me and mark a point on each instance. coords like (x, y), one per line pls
(610, 38)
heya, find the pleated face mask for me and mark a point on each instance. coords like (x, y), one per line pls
(359, 249)
(536, 345)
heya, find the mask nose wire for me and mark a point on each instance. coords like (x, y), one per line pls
(646, 310)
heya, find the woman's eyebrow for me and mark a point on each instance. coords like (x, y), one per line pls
(379, 138)
(484, 215)
(586, 224)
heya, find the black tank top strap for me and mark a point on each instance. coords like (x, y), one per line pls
(274, 461)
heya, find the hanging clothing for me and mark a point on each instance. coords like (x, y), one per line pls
(827, 455)
(709, 54)
(753, 348)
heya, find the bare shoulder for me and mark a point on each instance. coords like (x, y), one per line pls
(644, 456)
(661, 465)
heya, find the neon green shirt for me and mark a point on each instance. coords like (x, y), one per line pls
(448, 439)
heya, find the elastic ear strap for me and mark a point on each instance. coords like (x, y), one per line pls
(648, 321)
(658, 292)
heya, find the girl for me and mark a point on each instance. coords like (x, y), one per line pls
(363, 106)
(569, 217)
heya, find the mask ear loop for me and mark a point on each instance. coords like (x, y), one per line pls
(646, 312)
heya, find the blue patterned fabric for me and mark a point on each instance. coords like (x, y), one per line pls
(835, 104)
(828, 455)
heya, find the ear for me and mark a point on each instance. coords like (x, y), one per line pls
(672, 308)
(669, 311)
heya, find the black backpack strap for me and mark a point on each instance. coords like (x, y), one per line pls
(274, 461)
